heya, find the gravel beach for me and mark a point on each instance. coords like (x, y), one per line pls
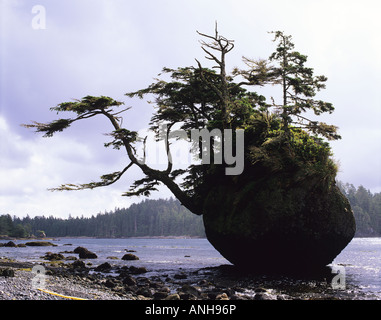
(20, 287)
(76, 282)
(54, 276)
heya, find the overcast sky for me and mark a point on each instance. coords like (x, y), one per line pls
(99, 47)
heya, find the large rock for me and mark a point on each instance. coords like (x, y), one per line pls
(130, 256)
(277, 225)
(85, 253)
(7, 272)
(40, 244)
(9, 244)
(104, 267)
(53, 256)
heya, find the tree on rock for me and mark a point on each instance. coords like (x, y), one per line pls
(298, 86)
(284, 210)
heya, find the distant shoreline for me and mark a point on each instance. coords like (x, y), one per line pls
(86, 237)
(137, 237)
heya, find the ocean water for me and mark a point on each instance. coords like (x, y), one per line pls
(157, 255)
(360, 260)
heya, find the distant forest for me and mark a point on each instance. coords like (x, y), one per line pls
(366, 208)
(149, 218)
(168, 218)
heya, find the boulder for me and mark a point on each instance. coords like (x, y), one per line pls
(160, 295)
(53, 256)
(7, 272)
(132, 270)
(110, 283)
(137, 270)
(188, 292)
(180, 276)
(174, 296)
(129, 281)
(78, 264)
(130, 256)
(85, 253)
(145, 292)
(40, 244)
(10, 244)
(104, 267)
(278, 225)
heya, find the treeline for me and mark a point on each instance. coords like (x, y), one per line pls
(149, 218)
(168, 218)
(9, 228)
(366, 208)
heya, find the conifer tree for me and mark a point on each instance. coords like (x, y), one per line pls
(198, 97)
(298, 84)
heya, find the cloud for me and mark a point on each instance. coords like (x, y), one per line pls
(30, 167)
(99, 47)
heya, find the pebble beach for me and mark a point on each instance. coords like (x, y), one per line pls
(19, 288)
(64, 283)
(77, 275)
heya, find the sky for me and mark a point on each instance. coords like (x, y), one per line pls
(53, 51)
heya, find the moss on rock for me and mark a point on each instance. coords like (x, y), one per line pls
(283, 214)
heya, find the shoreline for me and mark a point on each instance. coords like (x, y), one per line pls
(6, 238)
(85, 237)
(127, 283)
(111, 280)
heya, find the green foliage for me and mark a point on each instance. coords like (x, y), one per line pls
(11, 229)
(366, 208)
(278, 137)
(87, 104)
(85, 108)
(298, 154)
(286, 68)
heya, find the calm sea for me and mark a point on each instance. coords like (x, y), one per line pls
(362, 262)
(157, 255)
(361, 259)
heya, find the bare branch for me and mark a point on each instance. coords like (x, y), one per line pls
(215, 89)
(144, 149)
(212, 57)
(168, 149)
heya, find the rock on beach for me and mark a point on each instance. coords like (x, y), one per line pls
(130, 256)
(9, 244)
(40, 244)
(85, 253)
(53, 256)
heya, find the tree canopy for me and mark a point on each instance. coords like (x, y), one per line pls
(366, 208)
(9, 228)
(276, 134)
